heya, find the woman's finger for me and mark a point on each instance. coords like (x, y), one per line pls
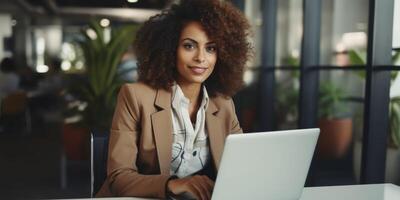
(204, 186)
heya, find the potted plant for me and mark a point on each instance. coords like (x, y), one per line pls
(394, 117)
(334, 121)
(92, 98)
(287, 94)
(393, 150)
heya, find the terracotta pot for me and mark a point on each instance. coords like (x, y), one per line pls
(76, 142)
(335, 137)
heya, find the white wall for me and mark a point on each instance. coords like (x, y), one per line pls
(395, 88)
(289, 29)
(53, 39)
(396, 24)
(5, 31)
(349, 16)
(48, 41)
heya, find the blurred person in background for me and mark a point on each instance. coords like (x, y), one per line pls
(29, 78)
(9, 87)
(52, 83)
(9, 79)
(45, 101)
(127, 69)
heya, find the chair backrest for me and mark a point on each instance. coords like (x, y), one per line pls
(98, 160)
(14, 103)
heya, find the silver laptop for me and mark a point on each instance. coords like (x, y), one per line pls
(267, 165)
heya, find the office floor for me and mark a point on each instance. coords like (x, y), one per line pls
(30, 167)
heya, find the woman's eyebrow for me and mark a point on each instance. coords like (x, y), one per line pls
(190, 39)
(194, 41)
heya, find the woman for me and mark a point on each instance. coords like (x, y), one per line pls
(168, 130)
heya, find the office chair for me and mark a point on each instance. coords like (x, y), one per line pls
(14, 110)
(98, 160)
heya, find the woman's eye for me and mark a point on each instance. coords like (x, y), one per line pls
(188, 46)
(211, 49)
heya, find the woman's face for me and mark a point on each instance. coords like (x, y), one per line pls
(196, 55)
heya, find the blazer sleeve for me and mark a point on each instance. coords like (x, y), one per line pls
(122, 173)
(235, 126)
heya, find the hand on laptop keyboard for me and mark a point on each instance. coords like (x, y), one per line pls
(199, 187)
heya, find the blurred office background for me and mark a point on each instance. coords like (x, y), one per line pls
(331, 64)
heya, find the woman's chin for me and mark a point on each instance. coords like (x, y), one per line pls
(192, 80)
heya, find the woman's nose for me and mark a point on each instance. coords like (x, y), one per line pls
(200, 57)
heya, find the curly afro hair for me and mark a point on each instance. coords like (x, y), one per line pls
(157, 42)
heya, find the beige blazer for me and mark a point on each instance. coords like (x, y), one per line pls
(140, 142)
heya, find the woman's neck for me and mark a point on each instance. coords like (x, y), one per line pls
(191, 91)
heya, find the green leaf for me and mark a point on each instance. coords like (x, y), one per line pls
(396, 58)
(331, 101)
(99, 32)
(101, 62)
(394, 116)
(117, 47)
(356, 58)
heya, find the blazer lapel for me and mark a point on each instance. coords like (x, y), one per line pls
(215, 133)
(162, 129)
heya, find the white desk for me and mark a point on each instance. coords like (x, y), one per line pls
(349, 192)
(353, 192)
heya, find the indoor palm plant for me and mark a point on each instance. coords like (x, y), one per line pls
(393, 150)
(287, 94)
(358, 58)
(394, 116)
(93, 97)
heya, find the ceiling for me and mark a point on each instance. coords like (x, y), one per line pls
(147, 4)
(68, 9)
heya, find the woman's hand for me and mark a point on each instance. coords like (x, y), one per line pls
(199, 186)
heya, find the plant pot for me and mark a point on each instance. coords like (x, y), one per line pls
(76, 142)
(335, 137)
(392, 174)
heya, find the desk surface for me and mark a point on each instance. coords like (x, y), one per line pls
(354, 192)
(348, 192)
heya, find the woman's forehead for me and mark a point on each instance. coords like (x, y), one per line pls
(194, 31)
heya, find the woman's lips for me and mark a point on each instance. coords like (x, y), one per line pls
(198, 70)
